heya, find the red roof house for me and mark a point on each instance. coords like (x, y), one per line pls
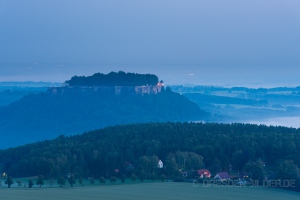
(204, 173)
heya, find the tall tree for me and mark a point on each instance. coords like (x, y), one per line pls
(51, 181)
(171, 165)
(9, 181)
(71, 180)
(142, 175)
(256, 171)
(81, 181)
(287, 170)
(30, 183)
(40, 180)
(61, 181)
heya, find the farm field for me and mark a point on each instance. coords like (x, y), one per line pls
(167, 190)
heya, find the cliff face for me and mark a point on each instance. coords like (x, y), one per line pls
(114, 83)
(108, 90)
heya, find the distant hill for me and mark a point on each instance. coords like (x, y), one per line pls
(253, 149)
(202, 98)
(248, 105)
(78, 109)
(13, 91)
(27, 84)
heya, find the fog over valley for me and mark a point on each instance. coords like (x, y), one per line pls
(280, 121)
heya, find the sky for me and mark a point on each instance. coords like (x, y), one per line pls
(251, 43)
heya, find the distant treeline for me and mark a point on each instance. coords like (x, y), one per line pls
(258, 150)
(114, 79)
(208, 89)
(202, 98)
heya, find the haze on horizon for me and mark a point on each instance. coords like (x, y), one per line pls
(244, 43)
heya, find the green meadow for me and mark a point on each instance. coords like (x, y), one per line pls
(156, 190)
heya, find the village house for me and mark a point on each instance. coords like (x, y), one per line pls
(160, 164)
(222, 176)
(204, 173)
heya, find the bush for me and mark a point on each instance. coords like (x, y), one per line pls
(163, 178)
(61, 181)
(92, 181)
(113, 179)
(123, 178)
(19, 183)
(133, 177)
(102, 180)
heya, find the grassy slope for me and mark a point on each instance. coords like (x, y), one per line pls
(148, 191)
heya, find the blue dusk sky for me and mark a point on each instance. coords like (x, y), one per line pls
(252, 43)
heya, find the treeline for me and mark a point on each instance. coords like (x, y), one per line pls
(46, 116)
(208, 99)
(114, 79)
(211, 89)
(135, 149)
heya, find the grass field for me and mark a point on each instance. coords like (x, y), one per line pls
(167, 190)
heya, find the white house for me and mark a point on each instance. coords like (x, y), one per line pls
(160, 164)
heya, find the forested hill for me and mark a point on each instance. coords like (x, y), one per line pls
(260, 150)
(46, 115)
(114, 79)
